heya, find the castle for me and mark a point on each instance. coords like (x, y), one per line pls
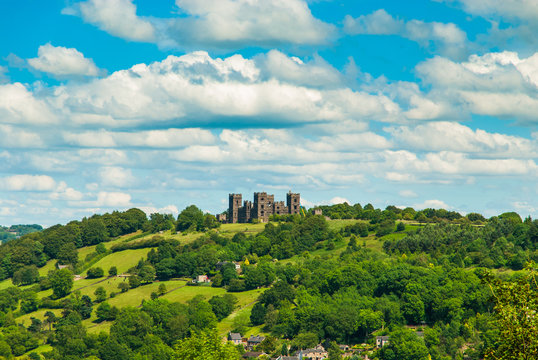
(262, 208)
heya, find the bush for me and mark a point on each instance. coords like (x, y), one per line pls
(95, 272)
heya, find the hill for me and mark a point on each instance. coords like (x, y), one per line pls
(126, 283)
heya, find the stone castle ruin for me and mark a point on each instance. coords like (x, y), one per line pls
(262, 208)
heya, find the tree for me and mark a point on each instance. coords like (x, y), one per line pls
(400, 227)
(146, 274)
(123, 286)
(68, 254)
(61, 282)
(113, 271)
(223, 305)
(191, 218)
(205, 345)
(134, 281)
(334, 351)
(100, 294)
(257, 315)
(106, 312)
(50, 318)
(404, 345)
(93, 231)
(162, 290)
(516, 306)
(95, 272)
(26, 275)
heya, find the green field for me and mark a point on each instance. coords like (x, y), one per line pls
(123, 260)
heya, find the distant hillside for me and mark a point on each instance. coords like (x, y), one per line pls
(10, 233)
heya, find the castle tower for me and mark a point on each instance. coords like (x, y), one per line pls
(234, 203)
(293, 202)
(263, 206)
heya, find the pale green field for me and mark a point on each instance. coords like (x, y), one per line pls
(41, 349)
(123, 260)
(50, 265)
(39, 314)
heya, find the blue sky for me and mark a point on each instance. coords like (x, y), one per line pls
(112, 104)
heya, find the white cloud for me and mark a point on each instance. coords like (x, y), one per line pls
(434, 204)
(28, 183)
(61, 61)
(113, 199)
(448, 36)
(63, 192)
(451, 136)
(117, 17)
(178, 88)
(18, 106)
(231, 23)
(339, 200)
(523, 9)
(496, 84)
(408, 193)
(116, 177)
(316, 73)
(210, 23)
(169, 209)
(14, 137)
(168, 138)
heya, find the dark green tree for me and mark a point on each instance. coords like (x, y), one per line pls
(61, 282)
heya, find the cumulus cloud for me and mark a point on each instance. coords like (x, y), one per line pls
(177, 90)
(339, 200)
(117, 17)
(113, 199)
(210, 23)
(434, 204)
(496, 84)
(447, 37)
(169, 138)
(63, 62)
(232, 23)
(14, 137)
(116, 177)
(169, 209)
(64, 192)
(28, 183)
(451, 136)
(18, 106)
(522, 9)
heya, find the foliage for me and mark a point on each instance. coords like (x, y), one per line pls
(205, 345)
(516, 309)
(61, 282)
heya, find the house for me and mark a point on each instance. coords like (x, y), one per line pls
(201, 279)
(381, 341)
(317, 353)
(235, 338)
(282, 357)
(60, 267)
(317, 211)
(254, 341)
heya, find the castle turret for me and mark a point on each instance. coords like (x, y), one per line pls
(293, 202)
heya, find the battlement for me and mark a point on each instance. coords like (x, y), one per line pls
(261, 208)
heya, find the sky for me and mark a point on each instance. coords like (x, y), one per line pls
(112, 104)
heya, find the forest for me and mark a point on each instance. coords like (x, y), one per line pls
(438, 284)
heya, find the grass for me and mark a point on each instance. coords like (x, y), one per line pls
(123, 260)
(39, 314)
(40, 349)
